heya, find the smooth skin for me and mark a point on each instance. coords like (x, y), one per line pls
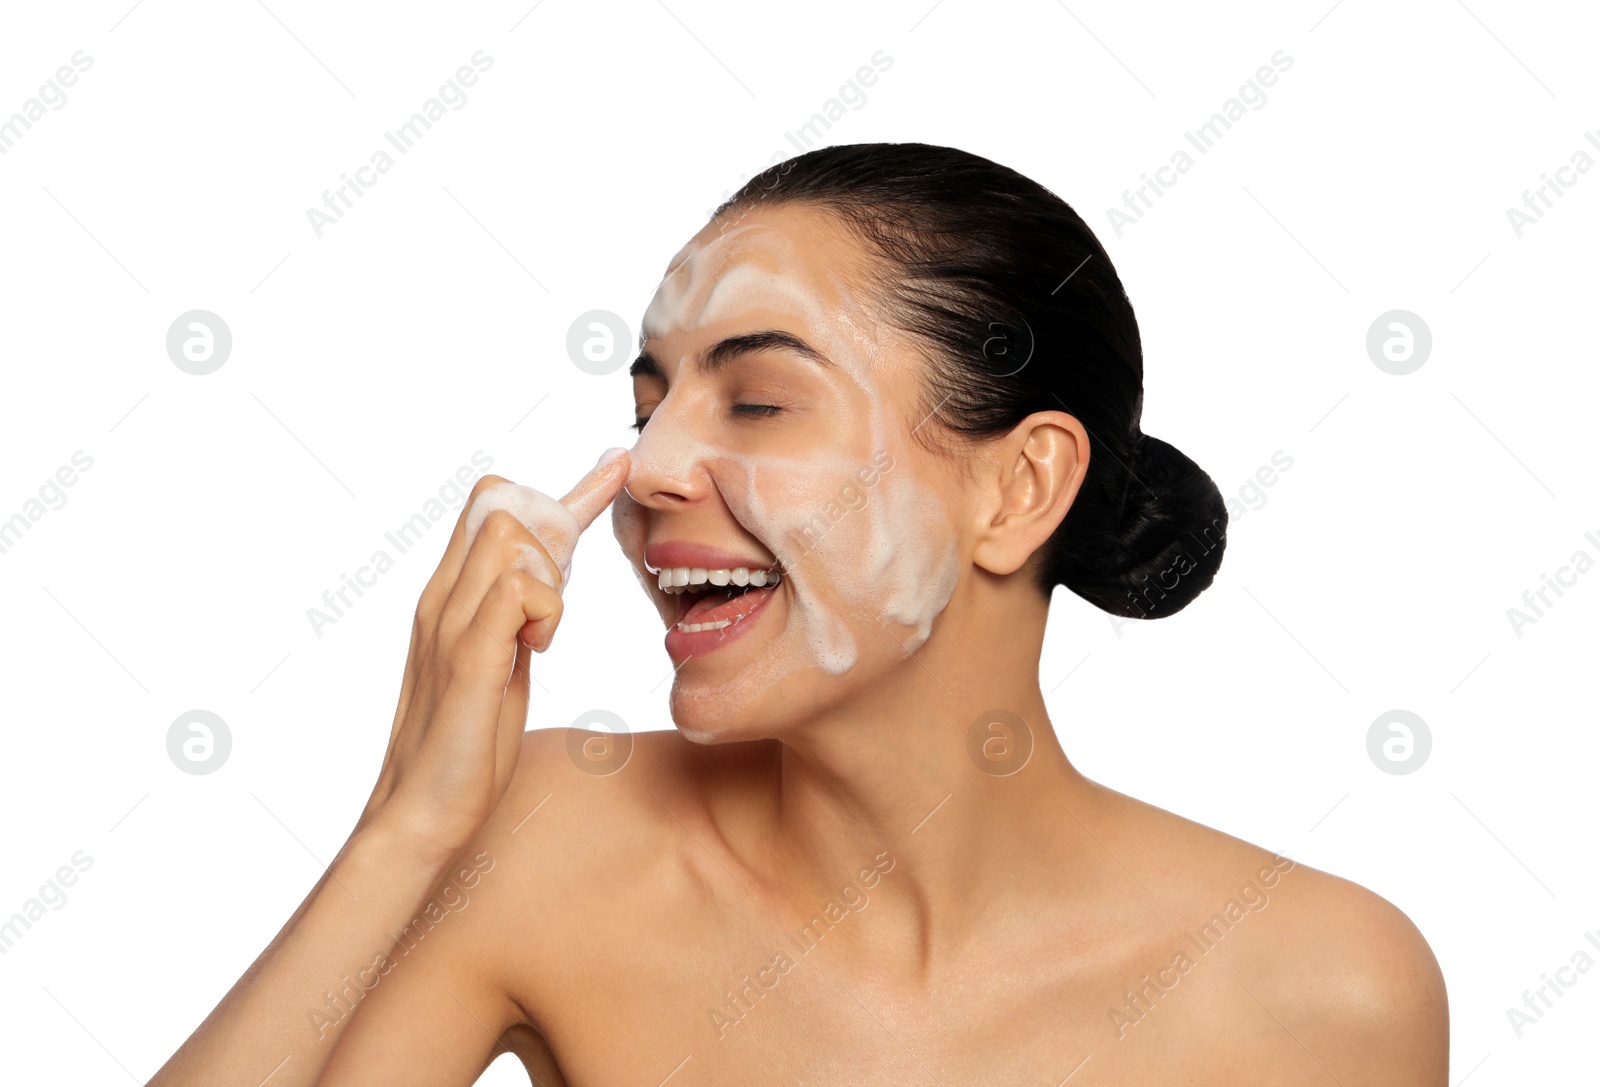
(671, 921)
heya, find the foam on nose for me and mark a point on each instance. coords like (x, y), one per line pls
(667, 451)
(891, 557)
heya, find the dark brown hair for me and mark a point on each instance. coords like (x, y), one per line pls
(1022, 311)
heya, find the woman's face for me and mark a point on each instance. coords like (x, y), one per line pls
(779, 429)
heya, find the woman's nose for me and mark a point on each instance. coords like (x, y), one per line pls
(669, 463)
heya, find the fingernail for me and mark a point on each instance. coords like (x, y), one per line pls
(609, 455)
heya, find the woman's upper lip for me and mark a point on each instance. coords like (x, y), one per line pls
(683, 553)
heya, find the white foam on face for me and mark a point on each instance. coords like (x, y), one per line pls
(891, 559)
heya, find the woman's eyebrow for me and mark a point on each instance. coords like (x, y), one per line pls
(726, 351)
(646, 366)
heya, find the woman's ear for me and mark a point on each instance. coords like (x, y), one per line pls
(1029, 481)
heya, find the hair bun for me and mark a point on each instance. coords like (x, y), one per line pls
(1167, 545)
(965, 248)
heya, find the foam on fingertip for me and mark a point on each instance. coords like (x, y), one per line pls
(596, 489)
(553, 524)
(531, 562)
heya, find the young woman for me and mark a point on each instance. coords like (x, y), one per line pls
(888, 398)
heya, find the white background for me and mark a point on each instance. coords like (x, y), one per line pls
(431, 320)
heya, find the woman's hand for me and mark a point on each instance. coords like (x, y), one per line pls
(451, 753)
(495, 597)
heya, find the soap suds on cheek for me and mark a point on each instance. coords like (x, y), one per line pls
(777, 499)
(881, 572)
(892, 560)
(852, 574)
(896, 557)
(773, 498)
(910, 557)
(628, 525)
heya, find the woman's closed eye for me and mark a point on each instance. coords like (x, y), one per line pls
(746, 410)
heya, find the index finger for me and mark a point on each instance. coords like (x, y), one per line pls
(596, 490)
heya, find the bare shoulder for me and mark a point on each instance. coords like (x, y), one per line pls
(1338, 968)
(601, 829)
(587, 808)
(1354, 969)
(616, 792)
(566, 874)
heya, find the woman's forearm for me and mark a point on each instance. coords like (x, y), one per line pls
(284, 1016)
(453, 747)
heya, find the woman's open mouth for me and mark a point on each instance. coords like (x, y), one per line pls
(714, 605)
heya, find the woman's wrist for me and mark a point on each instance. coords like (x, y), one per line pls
(384, 841)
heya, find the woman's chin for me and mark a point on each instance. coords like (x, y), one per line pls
(721, 714)
(718, 715)
(698, 736)
(725, 730)
(702, 717)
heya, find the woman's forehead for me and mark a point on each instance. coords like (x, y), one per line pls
(782, 260)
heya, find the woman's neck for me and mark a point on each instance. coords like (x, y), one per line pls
(950, 766)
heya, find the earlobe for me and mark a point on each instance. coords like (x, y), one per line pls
(1036, 474)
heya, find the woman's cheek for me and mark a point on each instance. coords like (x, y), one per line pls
(891, 555)
(629, 527)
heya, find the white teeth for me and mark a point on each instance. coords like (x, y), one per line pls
(695, 628)
(678, 579)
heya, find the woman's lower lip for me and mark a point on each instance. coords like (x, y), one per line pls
(683, 644)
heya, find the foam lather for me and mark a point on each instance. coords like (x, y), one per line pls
(556, 524)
